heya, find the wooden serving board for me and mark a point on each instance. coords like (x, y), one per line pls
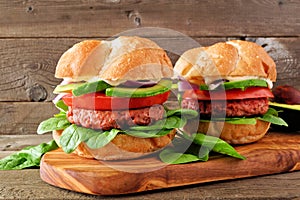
(275, 153)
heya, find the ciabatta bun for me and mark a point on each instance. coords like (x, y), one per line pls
(232, 133)
(122, 147)
(235, 133)
(124, 58)
(225, 59)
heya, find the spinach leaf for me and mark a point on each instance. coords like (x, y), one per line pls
(99, 140)
(27, 157)
(272, 117)
(186, 113)
(197, 147)
(149, 133)
(235, 120)
(216, 144)
(169, 155)
(73, 135)
(51, 124)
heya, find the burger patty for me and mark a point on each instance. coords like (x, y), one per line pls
(106, 120)
(233, 108)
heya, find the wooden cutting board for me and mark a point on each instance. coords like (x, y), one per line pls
(275, 153)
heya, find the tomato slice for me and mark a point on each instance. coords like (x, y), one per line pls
(99, 101)
(250, 92)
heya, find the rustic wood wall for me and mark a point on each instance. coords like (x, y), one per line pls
(34, 34)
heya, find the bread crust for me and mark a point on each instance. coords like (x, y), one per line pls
(124, 58)
(122, 147)
(234, 58)
(235, 133)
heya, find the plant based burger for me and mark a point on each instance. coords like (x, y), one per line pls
(111, 99)
(230, 86)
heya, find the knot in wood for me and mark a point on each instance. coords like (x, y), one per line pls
(37, 93)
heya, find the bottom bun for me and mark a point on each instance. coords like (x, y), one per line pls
(235, 133)
(122, 147)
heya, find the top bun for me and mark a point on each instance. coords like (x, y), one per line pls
(234, 58)
(124, 58)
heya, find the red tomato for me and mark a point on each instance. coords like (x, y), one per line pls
(99, 101)
(250, 92)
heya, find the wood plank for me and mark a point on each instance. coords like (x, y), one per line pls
(27, 66)
(110, 17)
(275, 153)
(23, 118)
(9, 143)
(22, 184)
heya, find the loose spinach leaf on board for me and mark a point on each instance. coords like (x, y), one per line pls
(27, 157)
(170, 156)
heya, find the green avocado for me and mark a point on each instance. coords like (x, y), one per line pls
(66, 88)
(290, 114)
(161, 87)
(239, 84)
(90, 88)
(282, 105)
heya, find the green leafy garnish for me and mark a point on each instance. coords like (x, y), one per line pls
(72, 136)
(100, 140)
(27, 157)
(170, 156)
(216, 144)
(271, 116)
(54, 123)
(149, 133)
(196, 148)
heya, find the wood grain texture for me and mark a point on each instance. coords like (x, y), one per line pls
(26, 184)
(9, 143)
(109, 17)
(24, 118)
(275, 153)
(27, 66)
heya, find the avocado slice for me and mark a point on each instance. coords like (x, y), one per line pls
(162, 86)
(282, 105)
(66, 88)
(290, 114)
(239, 84)
(90, 88)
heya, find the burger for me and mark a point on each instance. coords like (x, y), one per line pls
(111, 99)
(229, 84)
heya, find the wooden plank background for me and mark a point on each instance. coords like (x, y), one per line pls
(34, 34)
